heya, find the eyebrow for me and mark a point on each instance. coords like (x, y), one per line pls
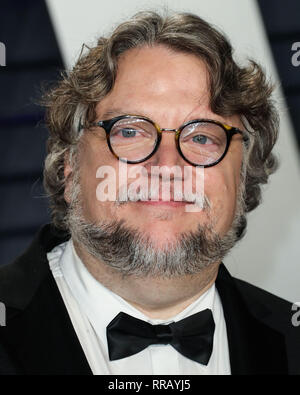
(114, 112)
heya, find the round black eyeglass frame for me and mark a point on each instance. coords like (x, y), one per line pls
(230, 131)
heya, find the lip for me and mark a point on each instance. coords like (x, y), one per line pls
(163, 203)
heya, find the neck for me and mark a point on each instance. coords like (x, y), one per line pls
(157, 298)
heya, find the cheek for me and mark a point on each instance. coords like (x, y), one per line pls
(221, 187)
(94, 154)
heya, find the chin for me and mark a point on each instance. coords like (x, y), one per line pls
(164, 243)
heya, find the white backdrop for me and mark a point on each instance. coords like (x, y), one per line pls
(269, 255)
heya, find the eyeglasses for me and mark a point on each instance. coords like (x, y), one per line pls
(200, 142)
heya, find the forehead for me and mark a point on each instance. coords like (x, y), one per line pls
(152, 77)
(163, 63)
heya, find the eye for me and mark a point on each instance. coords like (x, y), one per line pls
(127, 132)
(201, 139)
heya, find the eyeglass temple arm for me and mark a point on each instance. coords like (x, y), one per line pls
(82, 126)
(234, 131)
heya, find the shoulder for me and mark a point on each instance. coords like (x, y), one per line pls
(20, 280)
(276, 312)
(257, 298)
(267, 308)
(268, 320)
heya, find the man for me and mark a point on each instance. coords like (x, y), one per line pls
(132, 284)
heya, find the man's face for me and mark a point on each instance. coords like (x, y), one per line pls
(170, 88)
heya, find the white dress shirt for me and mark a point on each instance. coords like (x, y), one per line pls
(91, 307)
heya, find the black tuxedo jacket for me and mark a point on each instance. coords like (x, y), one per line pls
(39, 337)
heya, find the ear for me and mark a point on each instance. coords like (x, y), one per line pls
(68, 172)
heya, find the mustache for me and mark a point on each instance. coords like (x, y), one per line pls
(140, 194)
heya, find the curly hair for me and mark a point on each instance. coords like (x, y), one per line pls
(234, 90)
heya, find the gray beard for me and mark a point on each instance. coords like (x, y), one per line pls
(131, 253)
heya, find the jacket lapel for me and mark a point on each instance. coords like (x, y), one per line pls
(254, 347)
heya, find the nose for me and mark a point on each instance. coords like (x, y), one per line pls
(167, 153)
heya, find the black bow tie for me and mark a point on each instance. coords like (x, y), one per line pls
(191, 337)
